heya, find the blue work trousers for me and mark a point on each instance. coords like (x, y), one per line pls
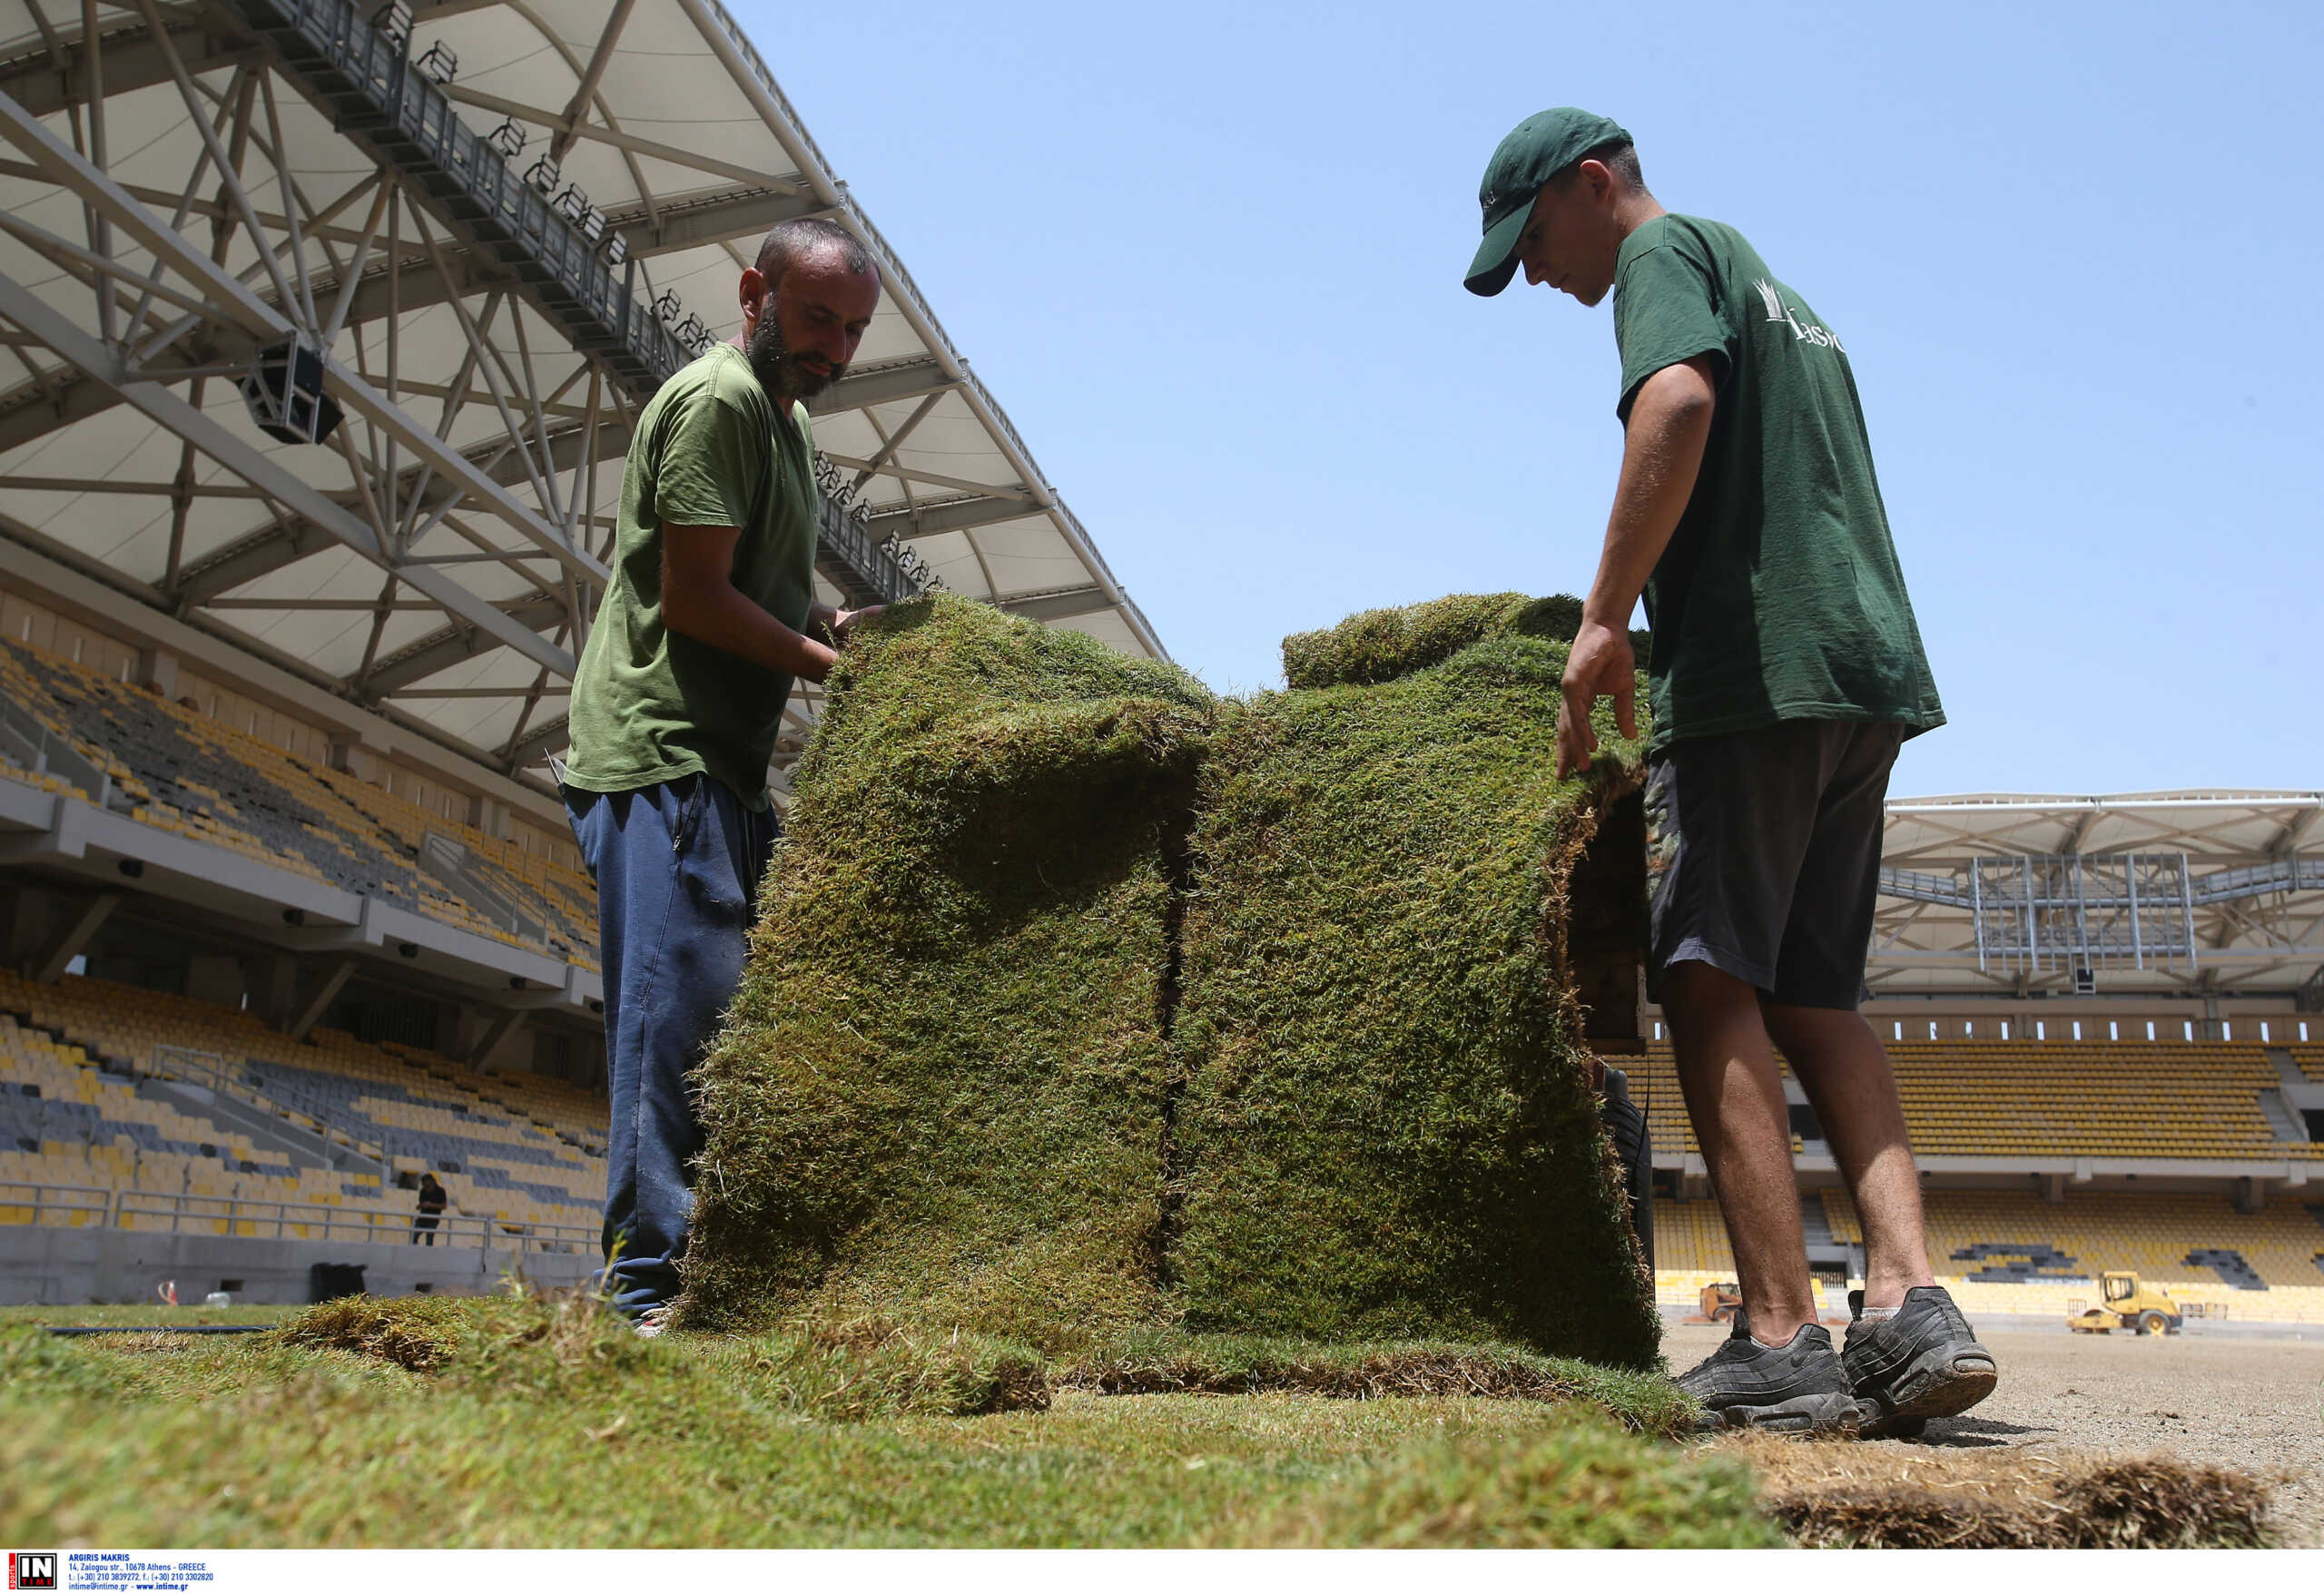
(677, 867)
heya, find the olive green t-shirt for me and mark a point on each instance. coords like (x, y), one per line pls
(1780, 596)
(651, 705)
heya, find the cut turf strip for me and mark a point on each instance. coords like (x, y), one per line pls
(1153, 1365)
(1083, 1004)
(940, 1098)
(1388, 1128)
(1920, 1497)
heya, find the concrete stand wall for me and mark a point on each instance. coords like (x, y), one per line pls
(80, 1267)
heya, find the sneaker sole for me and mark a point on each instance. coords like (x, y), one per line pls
(1824, 1413)
(1945, 1390)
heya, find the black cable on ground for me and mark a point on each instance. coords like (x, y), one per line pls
(168, 1328)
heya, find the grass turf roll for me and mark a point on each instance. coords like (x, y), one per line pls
(1380, 644)
(1082, 1004)
(1388, 1128)
(938, 1097)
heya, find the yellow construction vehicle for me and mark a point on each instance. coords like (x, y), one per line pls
(2140, 1307)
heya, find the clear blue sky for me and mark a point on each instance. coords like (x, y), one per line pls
(1209, 258)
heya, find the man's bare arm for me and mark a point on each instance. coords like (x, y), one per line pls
(1662, 452)
(699, 600)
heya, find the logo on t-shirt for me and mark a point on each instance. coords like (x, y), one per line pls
(1802, 331)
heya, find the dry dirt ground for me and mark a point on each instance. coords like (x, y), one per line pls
(2251, 1403)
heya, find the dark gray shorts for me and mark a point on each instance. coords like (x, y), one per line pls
(1763, 856)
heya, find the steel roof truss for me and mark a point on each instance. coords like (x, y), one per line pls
(174, 414)
(229, 297)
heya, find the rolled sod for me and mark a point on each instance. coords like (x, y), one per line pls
(938, 1097)
(1081, 1002)
(1388, 1128)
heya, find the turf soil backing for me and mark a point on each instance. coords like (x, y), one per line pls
(1917, 1497)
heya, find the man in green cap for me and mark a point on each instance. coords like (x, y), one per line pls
(1784, 671)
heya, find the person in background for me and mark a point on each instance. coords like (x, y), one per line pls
(433, 1199)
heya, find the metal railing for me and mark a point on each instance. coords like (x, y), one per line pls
(31, 745)
(23, 1201)
(158, 1212)
(301, 1110)
(447, 859)
(55, 1207)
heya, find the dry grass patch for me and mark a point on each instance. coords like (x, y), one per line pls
(419, 1332)
(865, 1369)
(1922, 1497)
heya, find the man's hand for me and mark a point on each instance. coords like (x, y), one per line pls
(1600, 665)
(1662, 451)
(844, 621)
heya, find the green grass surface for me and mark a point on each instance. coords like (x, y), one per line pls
(1387, 1128)
(1082, 1003)
(543, 1424)
(939, 1098)
(1380, 644)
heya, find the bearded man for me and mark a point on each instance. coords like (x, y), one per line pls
(709, 616)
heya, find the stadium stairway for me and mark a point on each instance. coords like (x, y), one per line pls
(302, 1148)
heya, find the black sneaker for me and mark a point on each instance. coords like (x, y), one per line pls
(1922, 1363)
(1799, 1387)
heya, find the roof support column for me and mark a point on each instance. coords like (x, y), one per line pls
(74, 939)
(312, 1014)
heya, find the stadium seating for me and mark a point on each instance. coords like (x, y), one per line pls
(177, 770)
(67, 1123)
(2309, 1059)
(1690, 1238)
(2031, 1097)
(2015, 1253)
(419, 1110)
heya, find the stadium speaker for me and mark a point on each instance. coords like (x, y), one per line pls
(328, 1281)
(285, 393)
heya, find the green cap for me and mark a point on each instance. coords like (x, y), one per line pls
(1543, 145)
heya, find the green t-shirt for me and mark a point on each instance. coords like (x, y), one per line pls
(649, 705)
(1780, 596)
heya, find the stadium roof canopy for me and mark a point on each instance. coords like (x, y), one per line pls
(503, 223)
(2149, 893)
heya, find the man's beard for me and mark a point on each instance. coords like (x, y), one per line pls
(778, 370)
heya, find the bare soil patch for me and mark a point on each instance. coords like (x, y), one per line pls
(2252, 1404)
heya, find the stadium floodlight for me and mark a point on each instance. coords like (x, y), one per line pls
(285, 391)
